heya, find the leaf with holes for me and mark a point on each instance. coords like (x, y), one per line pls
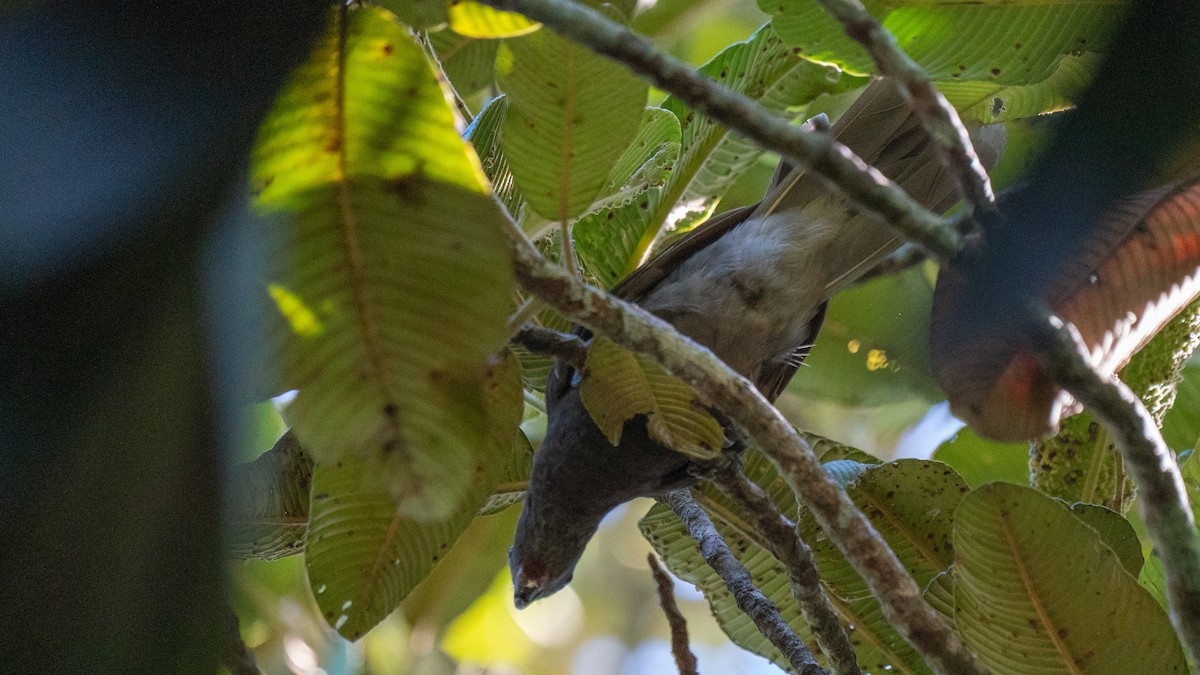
(608, 234)
(364, 555)
(571, 113)
(762, 68)
(1015, 42)
(1038, 591)
(268, 512)
(619, 385)
(387, 262)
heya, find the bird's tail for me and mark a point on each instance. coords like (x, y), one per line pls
(881, 128)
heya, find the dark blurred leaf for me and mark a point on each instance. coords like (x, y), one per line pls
(268, 513)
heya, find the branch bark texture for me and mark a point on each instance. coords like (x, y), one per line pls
(785, 544)
(737, 579)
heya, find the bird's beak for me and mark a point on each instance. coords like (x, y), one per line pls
(526, 588)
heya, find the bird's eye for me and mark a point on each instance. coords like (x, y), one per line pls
(576, 378)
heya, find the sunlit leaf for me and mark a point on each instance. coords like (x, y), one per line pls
(1015, 42)
(1037, 591)
(383, 230)
(477, 20)
(988, 101)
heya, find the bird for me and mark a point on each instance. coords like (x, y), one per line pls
(752, 285)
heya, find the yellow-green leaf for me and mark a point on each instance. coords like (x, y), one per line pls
(383, 237)
(364, 556)
(1037, 591)
(571, 114)
(618, 385)
(477, 20)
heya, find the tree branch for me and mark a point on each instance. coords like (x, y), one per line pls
(685, 660)
(570, 348)
(937, 116)
(863, 184)
(785, 544)
(1148, 460)
(638, 330)
(737, 579)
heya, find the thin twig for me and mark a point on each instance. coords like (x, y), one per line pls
(685, 660)
(785, 544)
(863, 184)
(935, 113)
(569, 348)
(737, 579)
(1151, 465)
(638, 330)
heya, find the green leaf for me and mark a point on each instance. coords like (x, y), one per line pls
(513, 479)
(939, 593)
(1115, 532)
(419, 14)
(477, 20)
(268, 513)
(873, 347)
(981, 461)
(464, 574)
(1153, 578)
(571, 114)
(1037, 591)
(910, 501)
(484, 136)
(469, 63)
(366, 103)
(607, 236)
(365, 555)
(388, 264)
(912, 504)
(1181, 426)
(618, 385)
(1015, 42)
(764, 69)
